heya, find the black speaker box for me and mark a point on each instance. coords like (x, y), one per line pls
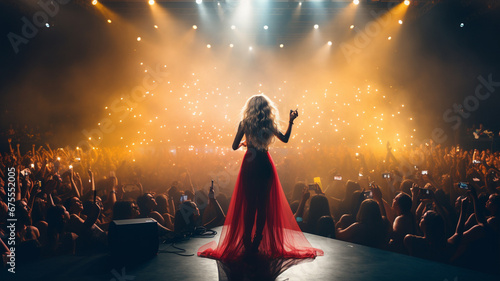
(133, 238)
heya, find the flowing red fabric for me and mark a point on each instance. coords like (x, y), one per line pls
(281, 236)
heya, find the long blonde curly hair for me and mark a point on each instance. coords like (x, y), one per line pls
(260, 121)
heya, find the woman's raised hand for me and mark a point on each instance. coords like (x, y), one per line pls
(293, 114)
(305, 194)
(243, 143)
(377, 193)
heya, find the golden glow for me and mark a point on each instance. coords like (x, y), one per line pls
(355, 2)
(151, 2)
(407, 2)
(206, 94)
(94, 2)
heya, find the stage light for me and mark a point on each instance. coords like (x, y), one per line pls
(209, 46)
(109, 21)
(94, 2)
(155, 26)
(389, 38)
(233, 27)
(330, 43)
(462, 24)
(151, 2)
(407, 2)
(400, 21)
(355, 2)
(316, 26)
(47, 25)
(352, 26)
(198, 1)
(195, 27)
(250, 48)
(266, 27)
(139, 39)
(300, 3)
(231, 45)
(281, 46)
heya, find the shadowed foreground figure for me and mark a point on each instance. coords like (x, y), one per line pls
(260, 225)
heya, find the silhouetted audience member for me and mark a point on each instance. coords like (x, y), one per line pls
(27, 245)
(432, 245)
(326, 227)
(370, 228)
(125, 210)
(59, 240)
(147, 206)
(319, 207)
(404, 223)
(350, 217)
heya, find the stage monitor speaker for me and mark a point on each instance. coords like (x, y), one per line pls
(133, 238)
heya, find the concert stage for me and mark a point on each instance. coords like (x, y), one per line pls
(342, 261)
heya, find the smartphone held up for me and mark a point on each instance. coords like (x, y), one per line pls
(367, 195)
(426, 193)
(463, 185)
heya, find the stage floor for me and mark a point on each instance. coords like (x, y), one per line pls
(342, 261)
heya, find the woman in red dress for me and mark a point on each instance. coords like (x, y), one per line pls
(259, 219)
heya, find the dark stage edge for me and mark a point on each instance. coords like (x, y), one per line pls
(342, 261)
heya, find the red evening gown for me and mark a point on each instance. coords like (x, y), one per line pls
(258, 189)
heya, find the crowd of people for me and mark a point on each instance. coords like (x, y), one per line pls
(432, 202)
